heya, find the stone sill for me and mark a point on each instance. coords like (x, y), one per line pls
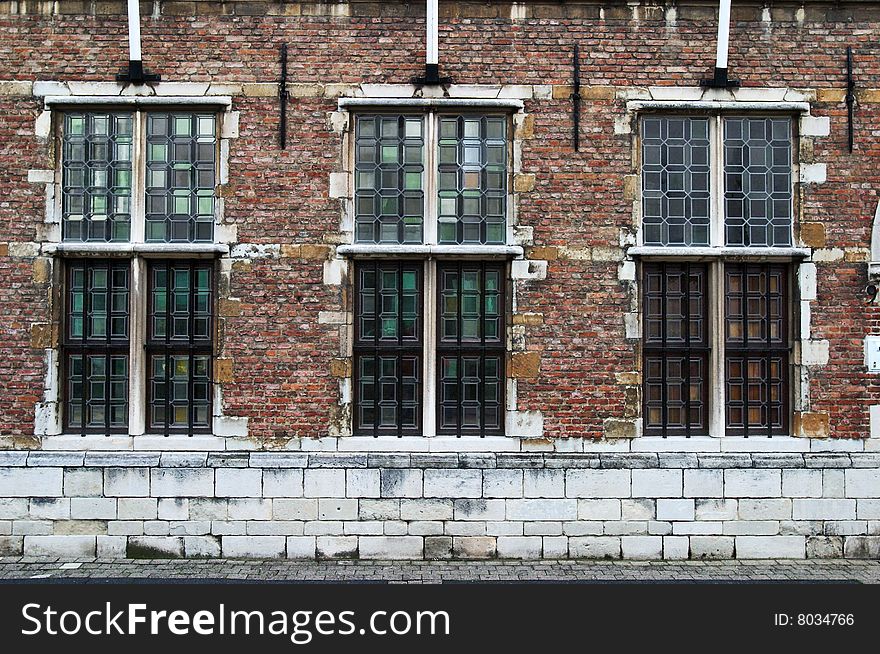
(717, 105)
(709, 253)
(431, 103)
(493, 444)
(370, 250)
(128, 249)
(139, 100)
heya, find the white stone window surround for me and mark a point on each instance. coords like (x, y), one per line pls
(48, 418)
(518, 424)
(806, 352)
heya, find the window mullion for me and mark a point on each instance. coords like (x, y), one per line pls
(430, 226)
(429, 349)
(139, 178)
(716, 157)
(717, 390)
(137, 370)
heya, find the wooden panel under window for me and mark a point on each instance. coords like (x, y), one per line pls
(676, 349)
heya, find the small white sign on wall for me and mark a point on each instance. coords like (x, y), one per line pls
(872, 353)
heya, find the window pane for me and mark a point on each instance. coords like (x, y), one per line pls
(757, 188)
(388, 352)
(471, 347)
(96, 337)
(179, 344)
(675, 181)
(389, 184)
(472, 171)
(96, 176)
(180, 177)
(676, 349)
(757, 347)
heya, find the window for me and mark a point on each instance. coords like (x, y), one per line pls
(170, 200)
(716, 334)
(96, 346)
(682, 173)
(430, 337)
(462, 157)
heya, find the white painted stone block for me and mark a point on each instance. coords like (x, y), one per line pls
(137, 508)
(238, 482)
(863, 482)
(391, 547)
(712, 547)
(67, 546)
(126, 482)
(528, 269)
(833, 483)
(362, 482)
(324, 483)
(868, 509)
(599, 509)
(815, 173)
(590, 483)
(815, 352)
(201, 547)
(823, 509)
(294, 509)
(697, 528)
(594, 547)
(703, 483)
(31, 482)
(543, 482)
(815, 125)
(526, 509)
(337, 509)
(519, 547)
(301, 547)
(642, 547)
(253, 547)
(173, 508)
(400, 482)
(417, 509)
(801, 483)
(282, 482)
(676, 547)
(50, 508)
(251, 508)
(675, 509)
(555, 547)
(765, 509)
(83, 482)
(638, 509)
(182, 482)
(339, 185)
(92, 508)
(656, 483)
(752, 483)
(478, 509)
(770, 547)
(523, 424)
(807, 281)
(716, 509)
(335, 272)
(446, 482)
(111, 547)
(502, 483)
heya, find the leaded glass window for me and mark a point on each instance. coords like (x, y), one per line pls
(472, 179)
(470, 349)
(757, 181)
(675, 180)
(389, 179)
(388, 349)
(181, 154)
(96, 176)
(757, 345)
(179, 346)
(676, 349)
(96, 346)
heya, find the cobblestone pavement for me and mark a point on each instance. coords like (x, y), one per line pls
(442, 571)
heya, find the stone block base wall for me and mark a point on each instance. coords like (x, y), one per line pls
(439, 506)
